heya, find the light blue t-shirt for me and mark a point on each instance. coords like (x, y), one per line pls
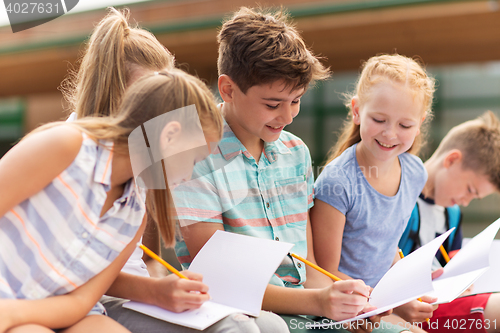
(374, 222)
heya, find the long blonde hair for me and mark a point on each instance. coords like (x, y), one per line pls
(395, 68)
(114, 52)
(146, 99)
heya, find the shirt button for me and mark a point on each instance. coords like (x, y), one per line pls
(299, 265)
(85, 234)
(267, 204)
(277, 238)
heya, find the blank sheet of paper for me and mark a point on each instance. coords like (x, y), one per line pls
(237, 268)
(466, 266)
(489, 281)
(406, 281)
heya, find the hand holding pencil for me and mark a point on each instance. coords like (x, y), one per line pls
(176, 292)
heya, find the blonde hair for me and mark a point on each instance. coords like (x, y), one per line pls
(479, 142)
(263, 46)
(146, 99)
(394, 68)
(114, 54)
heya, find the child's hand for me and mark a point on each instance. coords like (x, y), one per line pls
(367, 325)
(437, 273)
(416, 311)
(343, 300)
(178, 295)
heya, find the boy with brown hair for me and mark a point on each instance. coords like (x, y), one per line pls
(465, 166)
(264, 69)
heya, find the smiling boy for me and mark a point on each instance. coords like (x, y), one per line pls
(259, 182)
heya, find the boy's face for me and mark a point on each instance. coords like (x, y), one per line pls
(455, 185)
(264, 110)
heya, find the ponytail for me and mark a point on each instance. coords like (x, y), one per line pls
(113, 53)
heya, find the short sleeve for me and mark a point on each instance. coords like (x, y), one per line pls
(198, 200)
(334, 188)
(309, 178)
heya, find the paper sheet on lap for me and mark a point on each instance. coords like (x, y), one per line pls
(237, 270)
(489, 282)
(407, 280)
(410, 277)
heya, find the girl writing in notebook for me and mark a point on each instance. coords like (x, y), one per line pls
(71, 212)
(367, 190)
(116, 55)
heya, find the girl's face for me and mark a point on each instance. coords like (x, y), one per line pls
(389, 120)
(183, 152)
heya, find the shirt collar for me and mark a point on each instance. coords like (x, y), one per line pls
(102, 172)
(230, 146)
(428, 200)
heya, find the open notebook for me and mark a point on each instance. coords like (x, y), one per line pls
(489, 281)
(466, 266)
(237, 269)
(410, 277)
(405, 281)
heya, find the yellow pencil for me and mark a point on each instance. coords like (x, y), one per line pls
(161, 261)
(401, 255)
(316, 267)
(445, 255)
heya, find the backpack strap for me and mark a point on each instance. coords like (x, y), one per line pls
(453, 220)
(410, 239)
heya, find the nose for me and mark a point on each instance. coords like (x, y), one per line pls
(288, 113)
(389, 132)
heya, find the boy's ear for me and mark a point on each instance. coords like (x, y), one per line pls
(355, 110)
(226, 88)
(452, 157)
(170, 133)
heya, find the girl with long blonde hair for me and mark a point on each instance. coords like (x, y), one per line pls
(367, 190)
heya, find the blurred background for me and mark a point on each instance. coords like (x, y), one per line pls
(459, 41)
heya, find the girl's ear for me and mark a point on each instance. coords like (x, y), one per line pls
(226, 88)
(355, 110)
(421, 122)
(170, 134)
(452, 157)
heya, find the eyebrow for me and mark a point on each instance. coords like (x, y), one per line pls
(275, 99)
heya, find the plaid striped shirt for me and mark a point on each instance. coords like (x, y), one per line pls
(55, 241)
(269, 199)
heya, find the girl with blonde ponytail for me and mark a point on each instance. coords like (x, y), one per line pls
(71, 213)
(369, 186)
(116, 56)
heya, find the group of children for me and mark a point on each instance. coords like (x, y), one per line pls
(70, 222)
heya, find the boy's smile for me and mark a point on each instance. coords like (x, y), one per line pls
(261, 114)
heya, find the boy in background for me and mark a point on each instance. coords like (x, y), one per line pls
(465, 166)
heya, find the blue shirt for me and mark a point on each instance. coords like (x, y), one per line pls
(269, 199)
(374, 222)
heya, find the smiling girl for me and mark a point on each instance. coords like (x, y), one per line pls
(367, 191)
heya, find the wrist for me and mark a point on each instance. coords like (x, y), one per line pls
(11, 314)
